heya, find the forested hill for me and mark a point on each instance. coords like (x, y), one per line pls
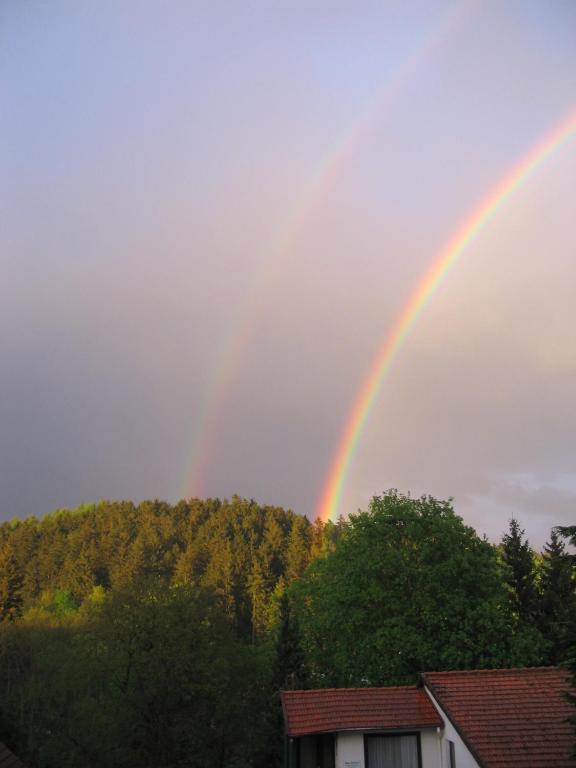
(159, 636)
(239, 550)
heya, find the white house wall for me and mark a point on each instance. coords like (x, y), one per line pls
(431, 744)
(350, 749)
(464, 758)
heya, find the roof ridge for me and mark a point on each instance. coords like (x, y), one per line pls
(414, 686)
(505, 670)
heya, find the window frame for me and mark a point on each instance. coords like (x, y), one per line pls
(451, 754)
(392, 734)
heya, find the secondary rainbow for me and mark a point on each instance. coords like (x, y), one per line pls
(331, 497)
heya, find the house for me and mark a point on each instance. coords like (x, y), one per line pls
(504, 718)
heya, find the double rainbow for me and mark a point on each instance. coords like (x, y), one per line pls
(210, 419)
(330, 500)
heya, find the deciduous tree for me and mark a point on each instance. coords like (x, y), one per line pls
(408, 587)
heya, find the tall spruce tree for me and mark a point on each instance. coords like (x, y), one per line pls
(298, 549)
(289, 670)
(569, 532)
(558, 600)
(521, 573)
(11, 584)
(570, 664)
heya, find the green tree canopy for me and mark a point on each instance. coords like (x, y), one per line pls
(143, 678)
(407, 588)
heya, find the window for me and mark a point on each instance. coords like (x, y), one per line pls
(451, 755)
(325, 756)
(397, 751)
(315, 751)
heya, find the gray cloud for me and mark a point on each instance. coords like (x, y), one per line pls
(150, 188)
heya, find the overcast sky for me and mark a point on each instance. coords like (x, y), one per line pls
(211, 213)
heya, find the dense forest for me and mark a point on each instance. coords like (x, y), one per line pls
(159, 635)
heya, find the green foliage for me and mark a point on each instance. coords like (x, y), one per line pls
(289, 671)
(569, 532)
(298, 549)
(520, 573)
(63, 602)
(569, 637)
(11, 583)
(408, 587)
(558, 598)
(570, 664)
(149, 678)
(159, 635)
(144, 635)
(238, 549)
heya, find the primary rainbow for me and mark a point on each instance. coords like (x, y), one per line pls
(331, 497)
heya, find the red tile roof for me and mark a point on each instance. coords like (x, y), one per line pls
(8, 759)
(508, 717)
(351, 709)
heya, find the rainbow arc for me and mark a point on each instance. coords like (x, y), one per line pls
(330, 501)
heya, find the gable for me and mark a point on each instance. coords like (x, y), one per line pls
(508, 718)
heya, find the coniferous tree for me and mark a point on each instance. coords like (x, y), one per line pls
(558, 601)
(11, 584)
(298, 549)
(257, 590)
(317, 538)
(289, 671)
(568, 532)
(521, 574)
(570, 664)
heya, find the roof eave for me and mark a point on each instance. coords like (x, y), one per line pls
(368, 729)
(436, 699)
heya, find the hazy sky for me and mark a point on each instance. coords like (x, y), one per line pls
(211, 213)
